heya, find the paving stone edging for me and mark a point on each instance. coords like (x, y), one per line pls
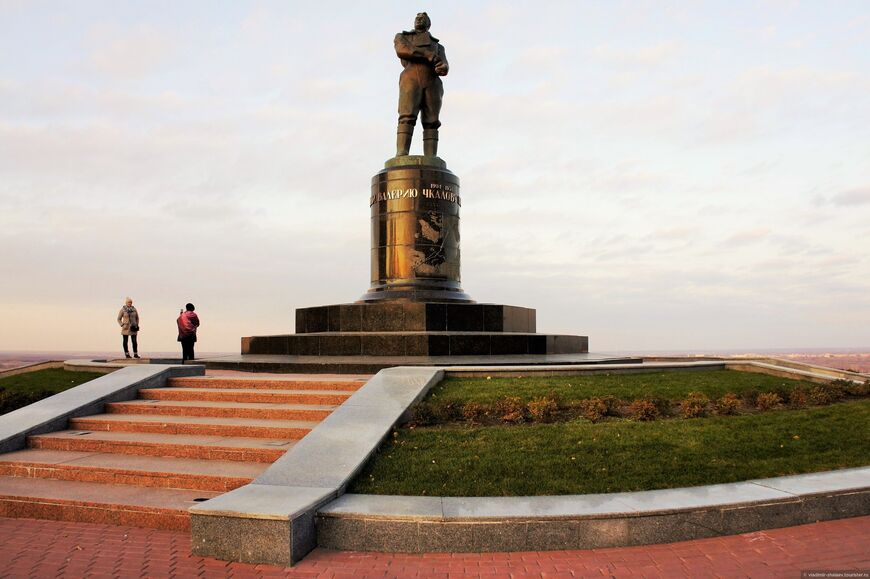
(479, 524)
(53, 413)
(299, 502)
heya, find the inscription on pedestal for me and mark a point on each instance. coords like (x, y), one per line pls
(415, 235)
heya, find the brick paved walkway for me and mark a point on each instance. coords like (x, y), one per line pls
(36, 548)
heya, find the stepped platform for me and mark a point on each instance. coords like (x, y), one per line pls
(366, 337)
(373, 364)
(145, 462)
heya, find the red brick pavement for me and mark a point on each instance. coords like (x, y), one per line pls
(35, 548)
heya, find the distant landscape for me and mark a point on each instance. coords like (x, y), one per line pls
(10, 360)
(854, 359)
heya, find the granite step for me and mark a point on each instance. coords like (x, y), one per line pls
(221, 409)
(142, 471)
(310, 397)
(85, 502)
(264, 450)
(208, 425)
(294, 383)
(144, 462)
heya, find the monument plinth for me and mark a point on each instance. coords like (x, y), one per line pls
(415, 204)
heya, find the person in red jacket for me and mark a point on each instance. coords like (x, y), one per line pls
(188, 322)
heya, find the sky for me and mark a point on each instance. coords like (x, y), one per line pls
(654, 175)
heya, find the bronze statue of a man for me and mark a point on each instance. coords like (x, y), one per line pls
(420, 89)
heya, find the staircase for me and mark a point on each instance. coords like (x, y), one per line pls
(146, 461)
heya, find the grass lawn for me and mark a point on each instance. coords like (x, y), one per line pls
(23, 389)
(667, 385)
(579, 457)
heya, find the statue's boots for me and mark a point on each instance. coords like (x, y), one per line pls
(403, 139)
(430, 142)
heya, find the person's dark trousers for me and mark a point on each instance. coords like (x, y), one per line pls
(187, 348)
(135, 344)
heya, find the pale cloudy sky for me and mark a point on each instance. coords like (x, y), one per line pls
(655, 175)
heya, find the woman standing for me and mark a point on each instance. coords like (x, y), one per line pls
(128, 319)
(187, 322)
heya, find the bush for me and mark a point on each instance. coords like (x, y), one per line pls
(663, 405)
(728, 404)
(783, 392)
(612, 405)
(695, 405)
(643, 409)
(510, 409)
(422, 415)
(542, 409)
(474, 411)
(445, 412)
(857, 388)
(750, 397)
(826, 393)
(592, 409)
(837, 389)
(767, 401)
(798, 397)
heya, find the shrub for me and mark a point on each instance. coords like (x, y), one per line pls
(783, 392)
(445, 411)
(422, 415)
(695, 405)
(826, 394)
(663, 405)
(728, 404)
(767, 401)
(611, 403)
(837, 389)
(592, 409)
(474, 411)
(819, 396)
(750, 397)
(798, 397)
(510, 409)
(643, 409)
(857, 388)
(542, 409)
(556, 398)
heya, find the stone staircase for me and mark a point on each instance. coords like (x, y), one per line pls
(146, 461)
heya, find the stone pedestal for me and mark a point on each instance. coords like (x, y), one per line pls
(414, 329)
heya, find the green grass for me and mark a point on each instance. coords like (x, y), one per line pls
(667, 385)
(23, 389)
(579, 457)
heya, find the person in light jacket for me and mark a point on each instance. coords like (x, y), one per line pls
(187, 322)
(128, 319)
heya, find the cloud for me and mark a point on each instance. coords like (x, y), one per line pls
(125, 54)
(846, 198)
(654, 55)
(42, 99)
(748, 236)
(536, 56)
(852, 197)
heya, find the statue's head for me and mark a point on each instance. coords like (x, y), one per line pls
(422, 22)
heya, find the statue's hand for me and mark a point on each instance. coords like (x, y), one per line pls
(441, 68)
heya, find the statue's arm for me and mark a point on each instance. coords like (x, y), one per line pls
(441, 65)
(405, 49)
